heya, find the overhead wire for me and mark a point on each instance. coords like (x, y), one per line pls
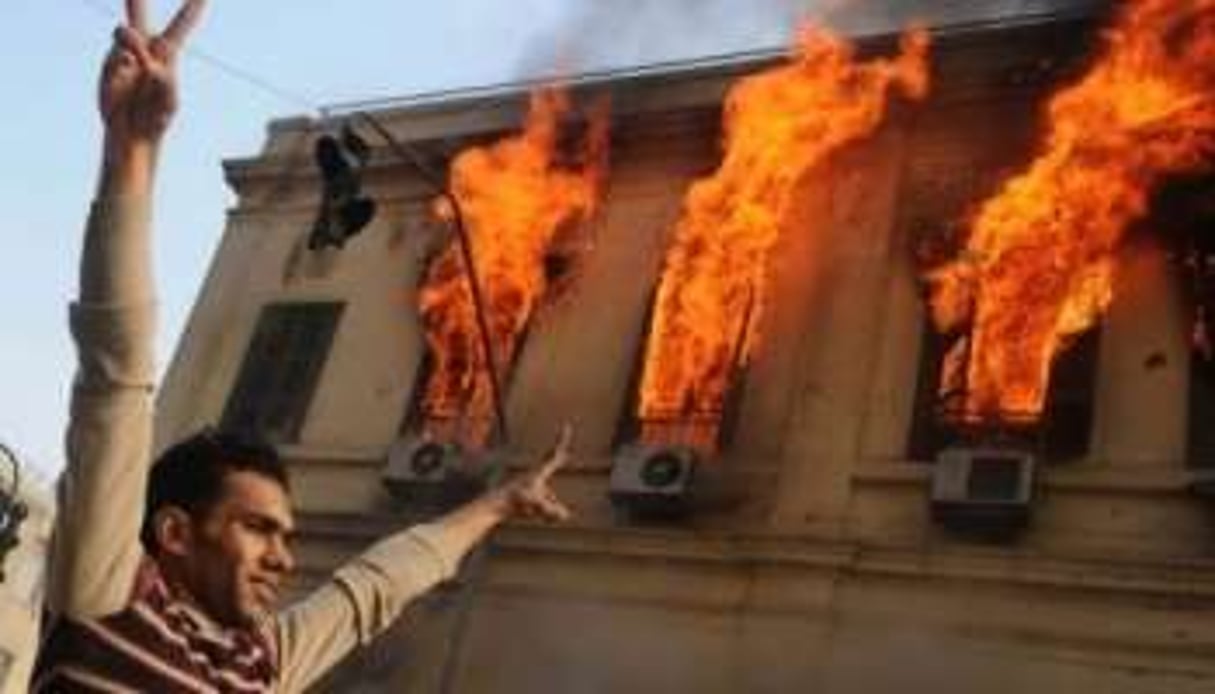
(193, 51)
(327, 114)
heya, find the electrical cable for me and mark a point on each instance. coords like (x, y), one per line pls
(208, 58)
(476, 564)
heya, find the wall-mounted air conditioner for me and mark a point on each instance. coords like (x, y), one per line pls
(435, 474)
(1202, 482)
(983, 490)
(653, 482)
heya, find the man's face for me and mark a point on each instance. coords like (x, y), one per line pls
(240, 554)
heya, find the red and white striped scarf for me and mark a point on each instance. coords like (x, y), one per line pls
(158, 643)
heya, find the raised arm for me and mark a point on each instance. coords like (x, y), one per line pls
(95, 551)
(366, 595)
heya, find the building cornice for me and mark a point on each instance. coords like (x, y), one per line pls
(440, 123)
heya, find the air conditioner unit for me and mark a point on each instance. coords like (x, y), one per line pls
(435, 473)
(653, 482)
(984, 490)
(1202, 482)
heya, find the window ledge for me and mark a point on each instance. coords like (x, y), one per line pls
(1084, 478)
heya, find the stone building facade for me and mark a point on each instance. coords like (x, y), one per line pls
(816, 564)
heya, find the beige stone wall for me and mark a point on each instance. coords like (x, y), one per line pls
(822, 570)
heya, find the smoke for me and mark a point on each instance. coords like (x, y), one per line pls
(597, 35)
(600, 35)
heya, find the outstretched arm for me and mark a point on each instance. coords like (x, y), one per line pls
(368, 594)
(527, 496)
(95, 551)
(137, 97)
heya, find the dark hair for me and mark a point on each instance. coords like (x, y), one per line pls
(190, 474)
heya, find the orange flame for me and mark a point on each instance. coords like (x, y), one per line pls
(778, 126)
(518, 196)
(1037, 267)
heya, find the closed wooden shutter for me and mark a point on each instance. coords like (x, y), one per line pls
(281, 370)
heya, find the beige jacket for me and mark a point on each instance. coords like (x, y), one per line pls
(96, 551)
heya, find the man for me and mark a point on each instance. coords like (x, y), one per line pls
(190, 609)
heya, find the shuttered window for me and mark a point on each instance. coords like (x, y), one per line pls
(281, 370)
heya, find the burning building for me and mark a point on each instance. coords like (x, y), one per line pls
(925, 371)
(517, 199)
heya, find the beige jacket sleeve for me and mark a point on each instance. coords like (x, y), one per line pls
(362, 599)
(95, 549)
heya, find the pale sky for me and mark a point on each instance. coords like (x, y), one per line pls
(324, 51)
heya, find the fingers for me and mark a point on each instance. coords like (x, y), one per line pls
(560, 455)
(128, 41)
(119, 54)
(530, 493)
(183, 22)
(554, 510)
(544, 505)
(137, 16)
(566, 437)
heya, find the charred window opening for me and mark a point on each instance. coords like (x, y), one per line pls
(1193, 212)
(628, 428)
(952, 165)
(1185, 211)
(281, 370)
(520, 207)
(707, 430)
(718, 259)
(1039, 259)
(1200, 437)
(1063, 431)
(1067, 425)
(471, 422)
